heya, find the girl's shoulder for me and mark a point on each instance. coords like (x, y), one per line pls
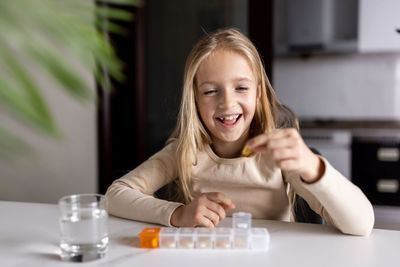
(172, 143)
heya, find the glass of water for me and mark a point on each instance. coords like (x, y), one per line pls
(83, 227)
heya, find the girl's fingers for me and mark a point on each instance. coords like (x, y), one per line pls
(257, 141)
(279, 143)
(288, 150)
(272, 137)
(282, 133)
(212, 216)
(217, 209)
(221, 199)
(283, 153)
(276, 140)
(207, 209)
(205, 222)
(273, 145)
(205, 216)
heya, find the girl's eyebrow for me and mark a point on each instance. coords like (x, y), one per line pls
(243, 79)
(239, 79)
(207, 82)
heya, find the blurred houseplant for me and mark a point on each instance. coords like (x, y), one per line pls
(43, 33)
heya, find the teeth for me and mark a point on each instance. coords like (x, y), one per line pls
(229, 118)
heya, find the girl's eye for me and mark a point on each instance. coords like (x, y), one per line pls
(209, 92)
(241, 88)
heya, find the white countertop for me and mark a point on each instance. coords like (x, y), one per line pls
(29, 236)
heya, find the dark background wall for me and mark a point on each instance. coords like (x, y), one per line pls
(172, 28)
(136, 119)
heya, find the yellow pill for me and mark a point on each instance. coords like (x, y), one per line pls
(246, 151)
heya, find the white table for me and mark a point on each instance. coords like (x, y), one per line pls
(29, 237)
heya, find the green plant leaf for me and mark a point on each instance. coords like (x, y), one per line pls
(56, 67)
(41, 34)
(23, 97)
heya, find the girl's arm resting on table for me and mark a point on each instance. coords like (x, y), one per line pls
(131, 204)
(131, 196)
(337, 200)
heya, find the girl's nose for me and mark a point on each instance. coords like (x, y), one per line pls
(227, 100)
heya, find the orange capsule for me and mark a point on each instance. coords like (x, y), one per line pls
(149, 237)
(246, 151)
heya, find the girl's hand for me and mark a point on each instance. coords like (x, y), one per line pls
(206, 210)
(290, 153)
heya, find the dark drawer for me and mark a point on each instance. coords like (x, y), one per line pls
(376, 169)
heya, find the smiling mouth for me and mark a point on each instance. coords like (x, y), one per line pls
(229, 120)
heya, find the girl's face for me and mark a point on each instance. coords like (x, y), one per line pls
(226, 97)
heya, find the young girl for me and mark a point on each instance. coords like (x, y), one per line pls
(228, 104)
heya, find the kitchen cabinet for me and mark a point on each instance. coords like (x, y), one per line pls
(336, 26)
(378, 24)
(376, 168)
(368, 153)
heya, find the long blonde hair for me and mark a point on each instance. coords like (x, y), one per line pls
(190, 133)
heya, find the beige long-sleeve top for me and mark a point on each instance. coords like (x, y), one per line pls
(254, 184)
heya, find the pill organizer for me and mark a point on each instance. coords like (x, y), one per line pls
(241, 220)
(240, 236)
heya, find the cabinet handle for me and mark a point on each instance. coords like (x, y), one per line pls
(387, 185)
(388, 154)
(398, 30)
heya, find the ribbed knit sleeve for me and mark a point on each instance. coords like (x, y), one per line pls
(341, 203)
(131, 196)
